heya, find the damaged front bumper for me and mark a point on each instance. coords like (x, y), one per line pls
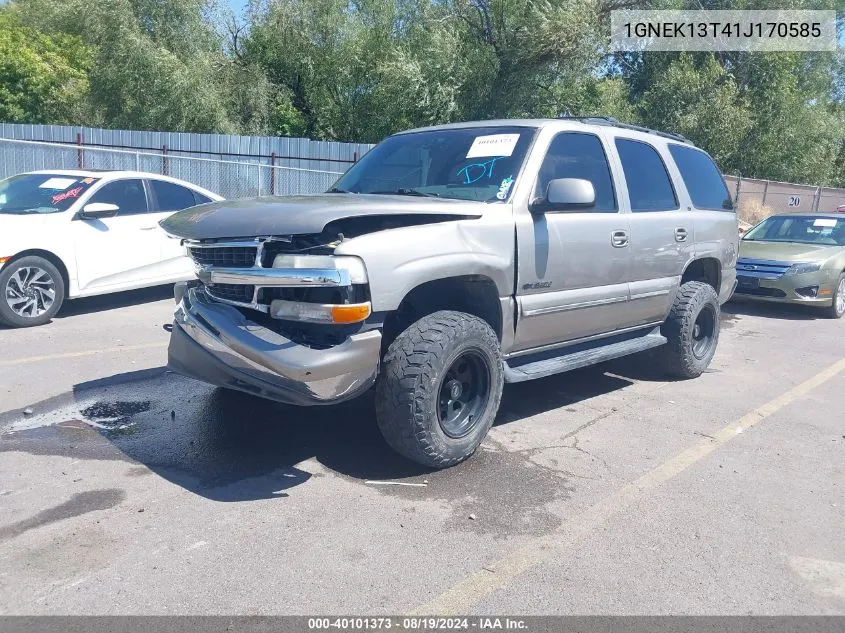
(217, 344)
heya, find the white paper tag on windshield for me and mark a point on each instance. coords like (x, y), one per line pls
(57, 183)
(825, 222)
(493, 145)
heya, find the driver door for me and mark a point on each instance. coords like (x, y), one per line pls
(118, 251)
(573, 266)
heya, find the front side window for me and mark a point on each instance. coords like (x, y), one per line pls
(649, 187)
(171, 197)
(804, 229)
(27, 194)
(702, 178)
(474, 163)
(128, 195)
(579, 155)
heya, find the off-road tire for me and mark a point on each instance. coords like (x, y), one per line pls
(678, 357)
(409, 386)
(834, 312)
(8, 316)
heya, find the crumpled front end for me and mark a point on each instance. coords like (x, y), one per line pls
(275, 323)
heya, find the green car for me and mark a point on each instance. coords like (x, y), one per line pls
(795, 258)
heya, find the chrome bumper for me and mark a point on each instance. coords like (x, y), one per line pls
(217, 344)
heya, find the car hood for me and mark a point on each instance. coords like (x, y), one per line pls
(294, 215)
(787, 251)
(13, 228)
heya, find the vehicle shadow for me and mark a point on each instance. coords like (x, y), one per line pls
(783, 311)
(114, 300)
(228, 446)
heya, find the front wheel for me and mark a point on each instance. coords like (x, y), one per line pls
(692, 330)
(837, 307)
(439, 388)
(33, 291)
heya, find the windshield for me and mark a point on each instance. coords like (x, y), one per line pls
(41, 193)
(801, 229)
(479, 163)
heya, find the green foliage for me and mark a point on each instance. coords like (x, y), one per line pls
(156, 62)
(698, 98)
(43, 78)
(359, 70)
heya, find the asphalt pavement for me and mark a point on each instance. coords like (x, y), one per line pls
(125, 489)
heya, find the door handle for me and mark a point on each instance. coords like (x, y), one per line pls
(148, 228)
(680, 234)
(619, 239)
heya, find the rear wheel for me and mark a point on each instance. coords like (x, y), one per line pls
(33, 291)
(439, 388)
(837, 307)
(692, 330)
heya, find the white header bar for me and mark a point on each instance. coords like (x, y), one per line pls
(635, 31)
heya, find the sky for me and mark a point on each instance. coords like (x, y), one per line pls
(238, 5)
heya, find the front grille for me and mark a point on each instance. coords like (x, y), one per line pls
(231, 292)
(225, 256)
(305, 244)
(761, 292)
(763, 268)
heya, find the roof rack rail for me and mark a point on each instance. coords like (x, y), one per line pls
(610, 121)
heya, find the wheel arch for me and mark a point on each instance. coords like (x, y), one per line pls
(474, 294)
(50, 257)
(705, 269)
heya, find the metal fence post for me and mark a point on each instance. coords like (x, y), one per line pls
(80, 160)
(765, 191)
(258, 167)
(137, 161)
(738, 187)
(273, 174)
(164, 160)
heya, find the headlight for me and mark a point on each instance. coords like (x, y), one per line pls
(355, 267)
(319, 313)
(803, 267)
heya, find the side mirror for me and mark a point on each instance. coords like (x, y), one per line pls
(96, 210)
(566, 194)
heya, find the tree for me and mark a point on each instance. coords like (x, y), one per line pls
(43, 78)
(695, 96)
(157, 63)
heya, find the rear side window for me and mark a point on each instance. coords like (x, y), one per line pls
(200, 199)
(172, 197)
(649, 187)
(702, 178)
(578, 155)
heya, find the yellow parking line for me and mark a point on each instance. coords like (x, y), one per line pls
(484, 582)
(92, 352)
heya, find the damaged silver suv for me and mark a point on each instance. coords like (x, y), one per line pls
(454, 259)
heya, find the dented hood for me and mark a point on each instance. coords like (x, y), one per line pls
(292, 215)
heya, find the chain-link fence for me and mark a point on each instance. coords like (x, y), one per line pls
(230, 179)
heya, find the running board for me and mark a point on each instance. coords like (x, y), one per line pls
(583, 357)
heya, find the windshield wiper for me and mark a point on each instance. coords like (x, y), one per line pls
(407, 192)
(339, 190)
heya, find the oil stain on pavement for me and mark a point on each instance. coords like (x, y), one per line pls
(79, 504)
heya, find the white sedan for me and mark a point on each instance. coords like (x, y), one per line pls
(77, 233)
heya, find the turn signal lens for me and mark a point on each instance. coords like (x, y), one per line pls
(319, 313)
(3, 260)
(350, 313)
